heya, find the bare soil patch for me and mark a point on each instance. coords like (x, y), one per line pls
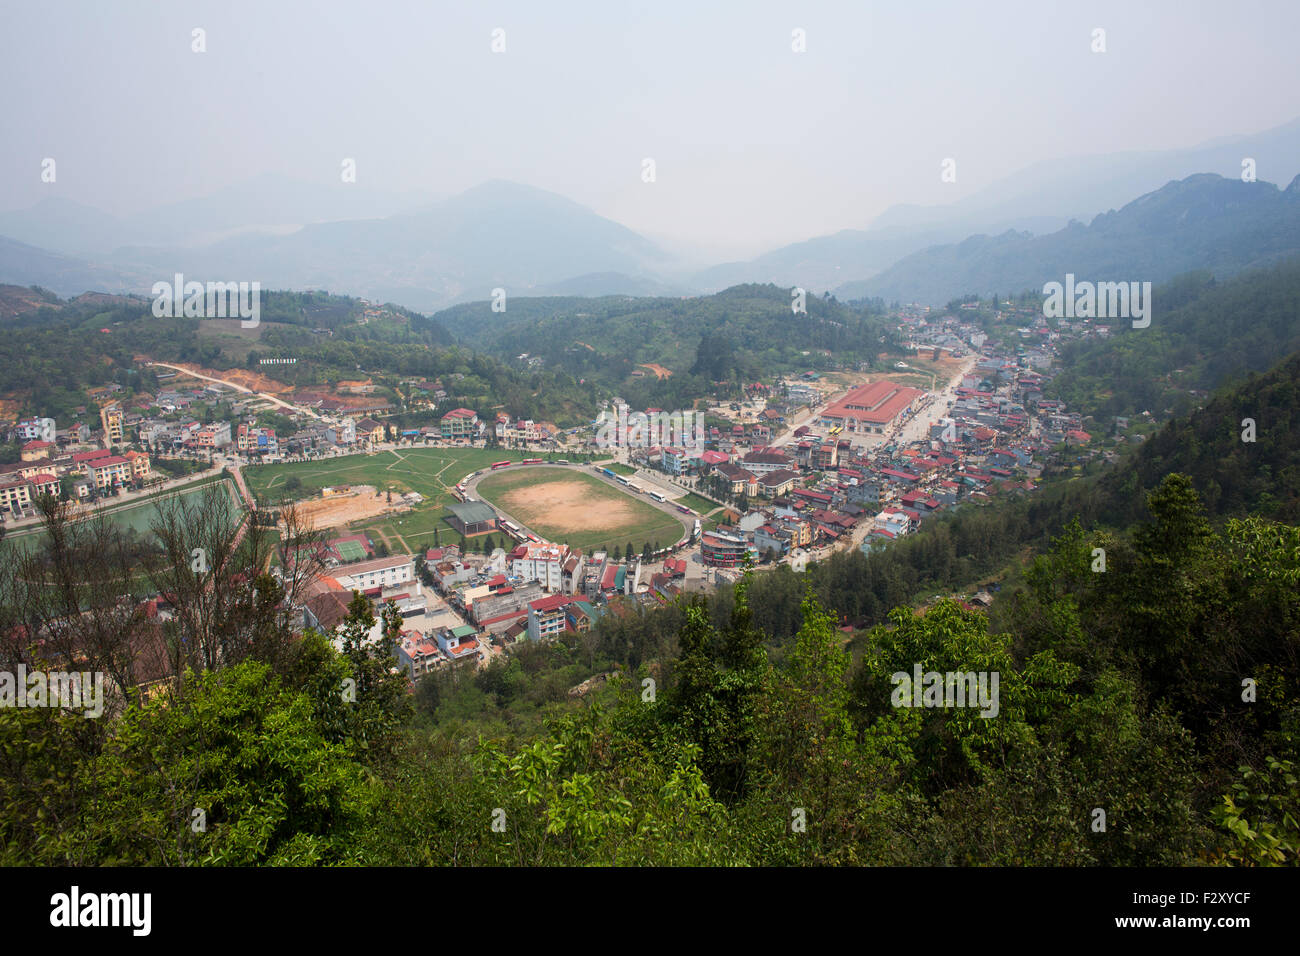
(343, 509)
(566, 503)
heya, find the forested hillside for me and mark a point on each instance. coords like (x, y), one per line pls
(1203, 334)
(50, 355)
(746, 333)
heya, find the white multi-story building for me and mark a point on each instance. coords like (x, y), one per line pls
(539, 562)
(342, 432)
(378, 574)
(36, 429)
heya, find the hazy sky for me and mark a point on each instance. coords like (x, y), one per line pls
(754, 144)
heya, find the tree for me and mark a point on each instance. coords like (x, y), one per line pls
(210, 566)
(380, 691)
(243, 752)
(1262, 816)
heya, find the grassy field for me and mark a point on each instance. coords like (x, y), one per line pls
(620, 469)
(699, 503)
(577, 520)
(237, 341)
(432, 472)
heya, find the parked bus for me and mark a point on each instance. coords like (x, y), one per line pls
(633, 486)
(500, 464)
(685, 510)
(512, 529)
(610, 473)
(656, 496)
(534, 539)
(531, 461)
(622, 479)
(562, 461)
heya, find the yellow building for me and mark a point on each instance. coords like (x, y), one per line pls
(110, 416)
(140, 467)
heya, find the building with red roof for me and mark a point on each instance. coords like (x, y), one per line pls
(547, 617)
(873, 407)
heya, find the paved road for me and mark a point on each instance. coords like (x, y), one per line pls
(808, 415)
(918, 426)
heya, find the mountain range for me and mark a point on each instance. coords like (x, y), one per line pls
(1015, 233)
(1202, 222)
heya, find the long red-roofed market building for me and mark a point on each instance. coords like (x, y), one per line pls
(871, 408)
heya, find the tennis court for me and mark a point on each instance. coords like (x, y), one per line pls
(351, 551)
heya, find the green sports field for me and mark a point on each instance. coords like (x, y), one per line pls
(575, 508)
(698, 503)
(433, 472)
(351, 551)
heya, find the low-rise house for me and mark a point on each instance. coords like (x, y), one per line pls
(369, 432)
(417, 654)
(772, 538)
